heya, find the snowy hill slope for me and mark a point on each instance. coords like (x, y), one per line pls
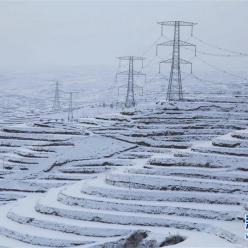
(168, 169)
(159, 174)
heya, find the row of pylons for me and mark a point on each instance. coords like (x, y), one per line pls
(175, 90)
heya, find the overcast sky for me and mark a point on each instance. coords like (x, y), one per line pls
(68, 33)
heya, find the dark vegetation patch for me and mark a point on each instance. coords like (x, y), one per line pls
(172, 240)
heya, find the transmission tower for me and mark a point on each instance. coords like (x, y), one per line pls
(70, 107)
(175, 91)
(131, 73)
(56, 101)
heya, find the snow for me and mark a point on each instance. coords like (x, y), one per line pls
(177, 168)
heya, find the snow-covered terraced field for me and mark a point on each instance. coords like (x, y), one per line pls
(149, 177)
(35, 157)
(173, 125)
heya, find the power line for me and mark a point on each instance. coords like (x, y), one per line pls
(151, 46)
(220, 48)
(214, 54)
(221, 70)
(217, 54)
(150, 62)
(153, 61)
(204, 80)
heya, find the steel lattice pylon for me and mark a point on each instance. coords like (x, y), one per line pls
(175, 90)
(56, 102)
(70, 109)
(130, 90)
(130, 101)
(175, 81)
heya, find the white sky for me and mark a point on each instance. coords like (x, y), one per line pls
(68, 33)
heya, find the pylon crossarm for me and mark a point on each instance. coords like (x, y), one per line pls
(166, 43)
(181, 23)
(184, 61)
(122, 86)
(122, 73)
(165, 61)
(184, 43)
(125, 86)
(126, 73)
(171, 42)
(169, 61)
(133, 57)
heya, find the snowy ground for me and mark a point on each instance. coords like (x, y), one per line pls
(162, 173)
